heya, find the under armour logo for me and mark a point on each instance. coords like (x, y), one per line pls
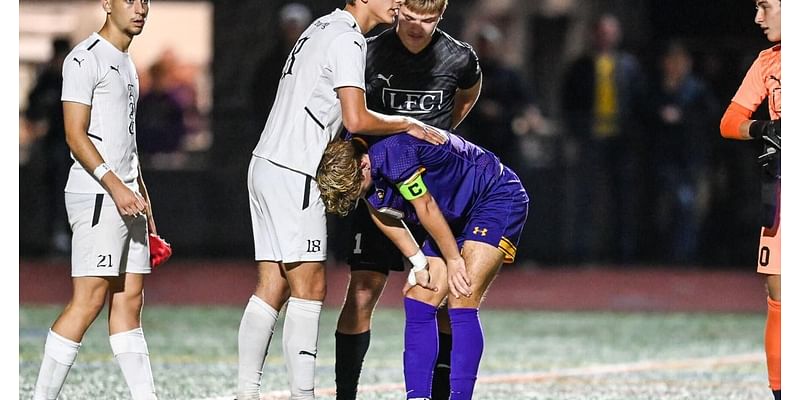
(303, 352)
(358, 44)
(78, 61)
(478, 230)
(380, 76)
(115, 68)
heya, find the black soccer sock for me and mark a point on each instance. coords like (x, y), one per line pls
(441, 373)
(350, 352)
(776, 394)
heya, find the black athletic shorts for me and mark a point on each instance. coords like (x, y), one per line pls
(370, 249)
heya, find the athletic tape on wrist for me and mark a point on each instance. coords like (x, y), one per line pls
(418, 261)
(100, 171)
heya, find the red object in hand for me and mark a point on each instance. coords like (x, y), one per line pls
(160, 250)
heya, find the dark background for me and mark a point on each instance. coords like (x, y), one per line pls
(204, 212)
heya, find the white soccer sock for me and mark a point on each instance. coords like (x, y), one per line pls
(255, 333)
(300, 336)
(59, 355)
(130, 350)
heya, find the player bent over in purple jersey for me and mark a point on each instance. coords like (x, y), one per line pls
(473, 209)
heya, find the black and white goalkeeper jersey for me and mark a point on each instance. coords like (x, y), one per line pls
(421, 85)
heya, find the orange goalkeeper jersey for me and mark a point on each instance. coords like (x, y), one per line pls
(763, 80)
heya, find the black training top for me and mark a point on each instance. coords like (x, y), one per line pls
(421, 85)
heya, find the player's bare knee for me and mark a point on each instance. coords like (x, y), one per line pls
(86, 306)
(425, 295)
(473, 301)
(90, 300)
(315, 290)
(364, 297)
(773, 287)
(127, 303)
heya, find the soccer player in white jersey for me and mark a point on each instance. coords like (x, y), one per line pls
(321, 89)
(107, 204)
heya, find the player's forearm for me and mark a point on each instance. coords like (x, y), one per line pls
(87, 155)
(376, 124)
(76, 127)
(465, 99)
(432, 219)
(397, 232)
(735, 123)
(83, 149)
(358, 119)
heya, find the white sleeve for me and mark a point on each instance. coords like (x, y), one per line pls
(80, 77)
(348, 54)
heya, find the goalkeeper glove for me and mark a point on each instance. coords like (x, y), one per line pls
(160, 250)
(770, 134)
(768, 131)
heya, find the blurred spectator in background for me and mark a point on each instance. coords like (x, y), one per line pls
(505, 99)
(181, 80)
(681, 113)
(293, 19)
(601, 92)
(170, 123)
(160, 119)
(44, 118)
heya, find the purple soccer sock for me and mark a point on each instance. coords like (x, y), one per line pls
(467, 351)
(421, 348)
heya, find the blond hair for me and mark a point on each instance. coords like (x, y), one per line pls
(426, 6)
(339, 176)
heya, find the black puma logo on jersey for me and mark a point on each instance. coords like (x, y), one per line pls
(302, 352)
(115, 68)
(358, 44)
(78, 61)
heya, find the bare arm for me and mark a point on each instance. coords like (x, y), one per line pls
(464, 101)
(76, 125)
(396, 230)
(358, 119)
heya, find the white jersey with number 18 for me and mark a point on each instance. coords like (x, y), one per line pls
(306, 116)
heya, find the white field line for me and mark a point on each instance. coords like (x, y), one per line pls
(654, 365)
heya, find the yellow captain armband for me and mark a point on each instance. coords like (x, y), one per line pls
(413, 187)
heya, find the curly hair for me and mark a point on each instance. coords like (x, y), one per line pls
(339, 176)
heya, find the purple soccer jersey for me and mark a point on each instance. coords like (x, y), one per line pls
(480, 198)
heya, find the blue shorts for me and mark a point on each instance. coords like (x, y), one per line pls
(497, 218)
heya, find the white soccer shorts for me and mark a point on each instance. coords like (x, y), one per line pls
(103, 242)
(287, 213)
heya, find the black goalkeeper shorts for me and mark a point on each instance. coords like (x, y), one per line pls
(370, 249)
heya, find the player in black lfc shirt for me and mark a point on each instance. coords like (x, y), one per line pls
(412, 69)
